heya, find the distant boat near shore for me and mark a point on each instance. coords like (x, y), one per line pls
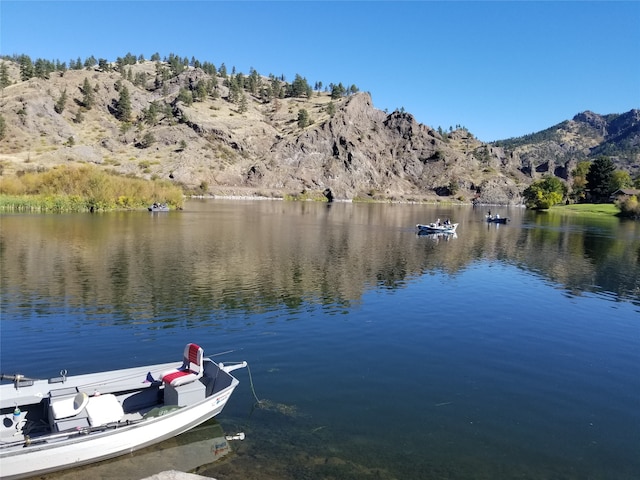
(496, 219)
(159, 207)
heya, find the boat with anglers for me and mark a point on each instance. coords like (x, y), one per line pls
(437, 227)
(496, 218)
(159, 207)
(68, 421)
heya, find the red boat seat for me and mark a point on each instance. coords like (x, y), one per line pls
(191, 370)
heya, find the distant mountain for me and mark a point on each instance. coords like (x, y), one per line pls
(588, 135)
(227, 135)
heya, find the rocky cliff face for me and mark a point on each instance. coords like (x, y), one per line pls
(353, 149)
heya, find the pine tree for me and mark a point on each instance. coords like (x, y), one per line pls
(140, 79)
(185, 96)
(300, 87)
(303, 118)
(151, 114)
(254, 82)
(243, 104)
(337, 91)
(88, 98)
(4, 75)
(331, 109)
(103, 64)
(599, 179)
(276, 88)
(200, 92)
(90, 62)
(123, 108)
(42, 68)
(147, 140)
(26, 67)
(60, 103)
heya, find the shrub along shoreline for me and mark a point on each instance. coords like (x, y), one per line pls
(83, 189)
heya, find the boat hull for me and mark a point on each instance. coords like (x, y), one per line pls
(72, 448)
(34, 460)
(435, 228)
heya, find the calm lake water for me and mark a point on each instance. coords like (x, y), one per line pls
(507, 351)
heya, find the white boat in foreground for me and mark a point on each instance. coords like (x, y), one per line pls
(437, 227)
(65, 422)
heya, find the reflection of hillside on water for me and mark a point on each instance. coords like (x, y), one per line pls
(258, 256)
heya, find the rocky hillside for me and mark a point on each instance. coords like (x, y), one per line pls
(225, 144)
(588, 135)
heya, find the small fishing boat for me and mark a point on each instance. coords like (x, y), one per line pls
(437, 227)
(68, 421)
(159, 207)
(497, 219)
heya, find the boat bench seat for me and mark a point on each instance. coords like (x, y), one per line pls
(74, 410)
(103, 409)
(69, 406)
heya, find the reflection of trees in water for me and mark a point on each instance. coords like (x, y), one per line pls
(200, 267)
(584, 254)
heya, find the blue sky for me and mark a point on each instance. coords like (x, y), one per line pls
(501, 69)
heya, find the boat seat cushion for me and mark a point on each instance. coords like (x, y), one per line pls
(179, 377)
(69, 407)
(103, 409)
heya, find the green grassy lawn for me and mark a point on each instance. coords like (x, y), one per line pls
(588, 209)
